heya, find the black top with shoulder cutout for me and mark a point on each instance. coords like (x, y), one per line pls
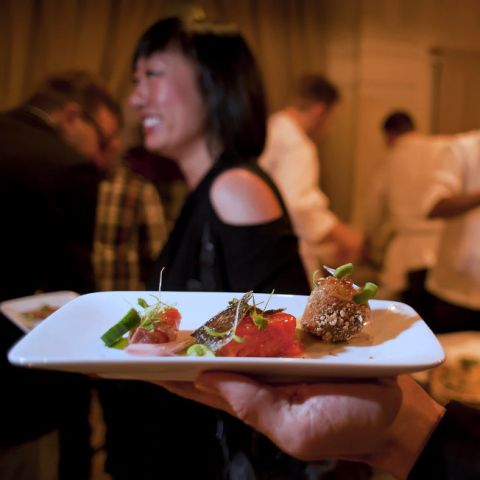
(205, 254)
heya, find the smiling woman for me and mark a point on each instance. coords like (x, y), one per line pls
(199, 93)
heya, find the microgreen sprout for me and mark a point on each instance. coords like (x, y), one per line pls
(160, 284)
(142, 303)
(269, 298)
(258, 319)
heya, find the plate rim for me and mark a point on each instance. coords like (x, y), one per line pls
(106, 365)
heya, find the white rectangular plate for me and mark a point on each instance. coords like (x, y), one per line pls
(16, 308)
(396, 341)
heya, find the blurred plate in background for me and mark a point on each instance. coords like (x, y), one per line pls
(28, 312)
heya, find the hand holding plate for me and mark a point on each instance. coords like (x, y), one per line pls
(380, 422)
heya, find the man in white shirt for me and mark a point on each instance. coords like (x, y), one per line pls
(412, 248)
(291, 159)
(455, 197)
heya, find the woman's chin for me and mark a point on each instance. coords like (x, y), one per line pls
(153, 146)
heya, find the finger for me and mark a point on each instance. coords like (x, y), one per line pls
(189, 391)
(236, 390)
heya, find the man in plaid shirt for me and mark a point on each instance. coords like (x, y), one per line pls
(130, 231)
(130, 224)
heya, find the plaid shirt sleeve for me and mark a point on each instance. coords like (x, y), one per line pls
(152, 229)
(129, 233)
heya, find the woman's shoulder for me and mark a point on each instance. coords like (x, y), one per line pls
(241, 196)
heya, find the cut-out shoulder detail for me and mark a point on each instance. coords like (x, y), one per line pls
(240, 197)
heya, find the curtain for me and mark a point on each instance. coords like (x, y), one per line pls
(455, 89)
(41, 37)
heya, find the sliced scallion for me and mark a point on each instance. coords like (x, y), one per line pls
(199, 350)
(368, 292)
(343, 271)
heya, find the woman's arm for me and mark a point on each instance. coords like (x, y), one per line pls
(240, 197)
(257, 248)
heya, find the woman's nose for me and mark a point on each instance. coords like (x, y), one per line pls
(138, 95)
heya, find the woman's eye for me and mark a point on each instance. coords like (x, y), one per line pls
(154, 73)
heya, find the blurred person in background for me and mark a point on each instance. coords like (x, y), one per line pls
(454, 196)
(411, 249)
(130, 224)
(291, 158)
(49, 186)
(164, 174)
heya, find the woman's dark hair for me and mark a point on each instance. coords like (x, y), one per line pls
(228, 79)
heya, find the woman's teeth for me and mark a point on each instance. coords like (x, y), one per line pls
(150, 122)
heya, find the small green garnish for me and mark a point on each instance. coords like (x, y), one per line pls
(340, 272)
(199, 350)
(238, 339)
(152, 313)
(215, 333)
(142, 303)
(368, 292)
(259, 320)
(315, 277)
(343, 271)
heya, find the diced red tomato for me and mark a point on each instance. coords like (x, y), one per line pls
(168, 321)
(277, 339)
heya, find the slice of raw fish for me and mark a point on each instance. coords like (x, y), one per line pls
(221, 328)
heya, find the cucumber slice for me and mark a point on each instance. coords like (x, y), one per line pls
(128, 322)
